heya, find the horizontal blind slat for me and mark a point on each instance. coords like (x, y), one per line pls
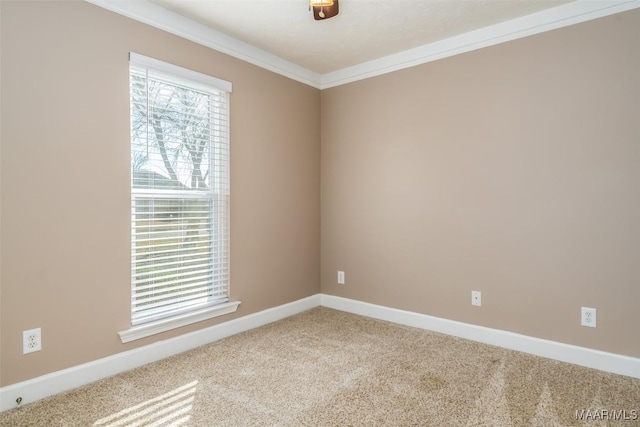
(183, 288)
(172, 246)
(150, 290)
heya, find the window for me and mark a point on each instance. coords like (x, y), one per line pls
(179, 191)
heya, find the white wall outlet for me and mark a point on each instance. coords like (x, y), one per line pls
(476, 298)
(31, 341)
(588, 317)
(340, 277)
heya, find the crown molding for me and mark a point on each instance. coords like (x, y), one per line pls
(546, 20)
(550, 19)
(163, 19)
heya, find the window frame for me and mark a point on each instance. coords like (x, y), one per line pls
(153, 323)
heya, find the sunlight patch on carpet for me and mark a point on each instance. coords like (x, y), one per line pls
(169, 409)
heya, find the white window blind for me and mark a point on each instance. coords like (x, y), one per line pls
(179, 190)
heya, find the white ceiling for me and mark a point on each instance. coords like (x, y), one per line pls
(367, 38)
(364, 30)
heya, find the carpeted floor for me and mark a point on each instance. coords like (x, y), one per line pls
(329, 368)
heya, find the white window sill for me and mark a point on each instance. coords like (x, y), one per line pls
(162, 325)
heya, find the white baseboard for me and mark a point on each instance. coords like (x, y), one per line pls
(596, 359)
(67, 379)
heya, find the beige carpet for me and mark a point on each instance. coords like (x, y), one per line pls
(328, 368)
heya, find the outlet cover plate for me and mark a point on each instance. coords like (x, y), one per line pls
(31, 340)
(341, 277)
(476, 298)
(588, 317)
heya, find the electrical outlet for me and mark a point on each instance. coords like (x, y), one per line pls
(31, 341)
(476, 298)
(340, 277)
(589, 317)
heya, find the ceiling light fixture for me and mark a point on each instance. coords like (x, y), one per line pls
(324, 9)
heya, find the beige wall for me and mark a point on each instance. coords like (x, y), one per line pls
(0, 200)
(513, 170)
(65, 181)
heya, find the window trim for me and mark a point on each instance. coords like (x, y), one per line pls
(176, 72)
(151, 328)
(200, 312)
